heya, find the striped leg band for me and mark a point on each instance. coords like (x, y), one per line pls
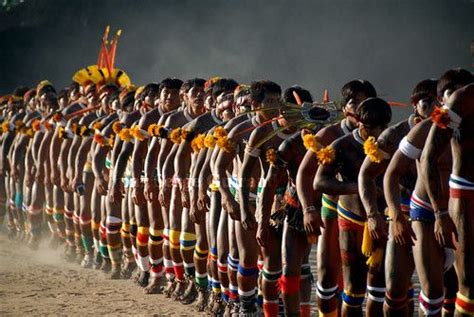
(113, 224)
(430, 306)
(326, 293)
(464, 304)
(271, 276)
(377, 294)
(187, 241)
(200, 254)
(142, 236)
(352, 299)
(156, 237)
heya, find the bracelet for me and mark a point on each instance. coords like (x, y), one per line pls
(309, 209)
(440, 214)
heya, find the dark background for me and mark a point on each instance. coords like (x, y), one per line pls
(317, 44)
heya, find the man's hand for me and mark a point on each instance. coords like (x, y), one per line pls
(197, 215)
(138, 196)
(248, 221)
(232, 207)
(312, 221)
(165, 195)
(116, 192)
(444, 230)
(401, 231)
(377, 228)
(150, 190)
(203, 201)
(55, 178)
(102, 186)
(263, 233)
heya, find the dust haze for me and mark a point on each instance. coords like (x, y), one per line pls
(317, 44)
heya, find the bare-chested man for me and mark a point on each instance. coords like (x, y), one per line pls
(281, 232)
(328, 253)
(175, 171)
(266, 99)
(339, 176)
(399, 263)
(452, 124)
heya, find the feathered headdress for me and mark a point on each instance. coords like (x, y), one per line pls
(104, 72)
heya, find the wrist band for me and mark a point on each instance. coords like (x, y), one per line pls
(309, 209)
(440, 214)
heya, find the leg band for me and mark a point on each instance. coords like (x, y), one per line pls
(377, 294)
(133, 229)
(352, 299)
(448, 305)
(200, 254)
(221, 267)
(430, 306)
(156, 237)
(125, 231)
(142, 236)
(143, 263)
(156, 269)
(247, 272)
(326, 293)
(201, 280)
(306, 271)
(290, 284)
(169, 269)
(113, 224)
(395, 303)
(234, 292)
(260, 265)
(464, 304)
(233, 263)
(166, 236)
(84, 220)
(174, 239)
(213, 254)
(271, 276)
(178, 271)
(270, 308)
(305, 309)
(187, 241)
(216, 286)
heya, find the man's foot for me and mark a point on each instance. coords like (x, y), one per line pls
(233, 309)
(97, 261)
(69, 253)
(143, 279)
(54, 242)
(106, 266)
(87, 261)
(115, 273)
(169, 289)
(79, 256)
(210, 302)
(179, 290)
(202, 299)
(128, 268)
(154, 286)
(33, 243)
(190, 293)
(218, 307)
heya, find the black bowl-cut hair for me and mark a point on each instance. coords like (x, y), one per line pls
(304, 94)
(453, 78)
(223, 85)
(355, 87)
(424, 89)
(258, 89)
(374, 112)
(171, 83)
(195, 82)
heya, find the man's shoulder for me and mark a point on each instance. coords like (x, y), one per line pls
(330, 133)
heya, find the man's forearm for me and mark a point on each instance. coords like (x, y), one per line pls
(305, 178)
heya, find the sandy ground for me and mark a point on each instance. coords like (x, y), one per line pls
(41, 283)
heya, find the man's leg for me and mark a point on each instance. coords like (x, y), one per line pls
(328, 260)
(176, 210)
(247, 270)
(69, 222)
(85, 220)
(201, 253)
(354, 268)
(113, 225)
(125, 233)
(222, 256)
(58, 212)
(96, 202)
(429, 259)
(296, 278)
(271, 273)
(77, 229)
(399, 266)
(463, 218)
(35, 214)
(155, 246)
